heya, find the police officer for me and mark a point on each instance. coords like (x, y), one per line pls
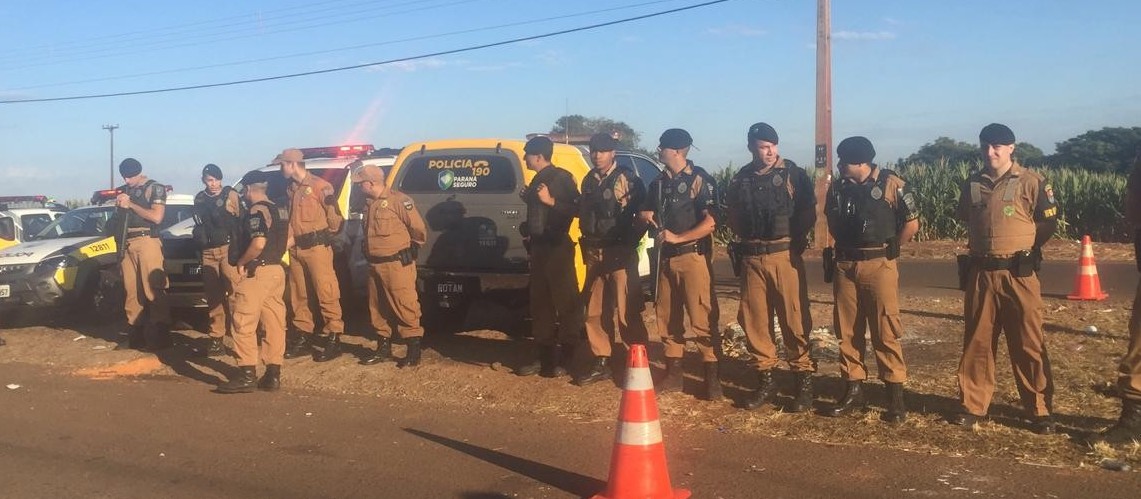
(142, 204)
(611, 230)
(314, 221)
(1128, 427)
(394, 230)
(870, 211)
(680, 204)
(1010, 213)
(216, 211)
(552, 203)
(771, 208)
(259, 289)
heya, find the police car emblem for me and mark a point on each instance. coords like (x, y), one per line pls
(681, 188)
(777, 180)
(877, 193)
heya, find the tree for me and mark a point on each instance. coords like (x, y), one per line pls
(945, 149)
(1026, 154)
(577, 125)
(1109, 149)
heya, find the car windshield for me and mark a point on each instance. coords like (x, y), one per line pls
(78, 223)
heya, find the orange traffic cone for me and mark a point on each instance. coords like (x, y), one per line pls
(638, 463)
(1087, 286)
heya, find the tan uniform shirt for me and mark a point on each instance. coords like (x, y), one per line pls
(392, 223)
(1001, 213)
(312, 206)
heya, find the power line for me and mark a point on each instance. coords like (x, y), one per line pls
(371, 64)
(342, 49)
(296, 25)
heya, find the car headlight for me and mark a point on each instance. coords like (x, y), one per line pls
(54, 263)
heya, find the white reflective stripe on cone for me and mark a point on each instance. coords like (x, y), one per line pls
(1089, 270)
(638, 379)
(648, 433)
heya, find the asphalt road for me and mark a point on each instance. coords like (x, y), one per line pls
(940, 277)
(65, 436)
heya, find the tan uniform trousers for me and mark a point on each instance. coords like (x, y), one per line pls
(555, 301)
(260, 299)
(218, 277)
(313, 286)
(867, 297)
(392, 300)
(1129, 371)
(996, 301)
(614, 301)
(771, 283)
(144, 280)
(684, 285)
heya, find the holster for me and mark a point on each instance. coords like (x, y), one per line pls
(893, 248)
(964, 262)
(735, 258)
(1023, 264)
(408, 255)
(829, 264)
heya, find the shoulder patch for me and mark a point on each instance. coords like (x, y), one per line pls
(1049, 193)
(408, 204)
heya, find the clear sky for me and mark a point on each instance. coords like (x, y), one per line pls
(904, 73)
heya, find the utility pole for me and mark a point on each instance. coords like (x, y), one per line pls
(111, 128)
(823, 117)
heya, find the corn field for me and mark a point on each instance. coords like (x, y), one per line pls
(1088, 202)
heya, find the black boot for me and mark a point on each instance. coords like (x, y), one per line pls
(896, 410)
(674, 378)
(271, 381)
(332, 349)
(853, 399)
(712, 383)
(383, 353)
(214, 348)
(412, 356)
(244, 382)
(1128, 427)
(136, 339)
(599, 370)
(301, 346)
(804, 393)
(159, 338)
(766, 390)
(549, 362)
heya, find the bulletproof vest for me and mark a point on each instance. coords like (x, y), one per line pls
(543, 223)
(140, 195)
(865, 217)
(275, 239)
(599, 218)
(216, 224)
(679, 213)
(765, 204)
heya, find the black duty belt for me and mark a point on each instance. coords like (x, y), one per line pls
(311, 239)
(761, 248)
(859, 254)
(139, 233)
(993, 262)
(263, 263)
(382, 259)
(672, 250)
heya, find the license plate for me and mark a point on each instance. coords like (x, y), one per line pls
(450, 288)
(5, 290)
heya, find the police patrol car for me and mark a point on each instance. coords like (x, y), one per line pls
(67, 262)
(24, 216)
(468, 192)
(331, 164)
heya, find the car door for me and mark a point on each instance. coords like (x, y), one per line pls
(470, 202)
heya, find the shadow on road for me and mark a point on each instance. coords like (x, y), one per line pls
(566, 481)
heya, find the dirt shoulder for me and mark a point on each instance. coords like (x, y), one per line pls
(473, 369)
